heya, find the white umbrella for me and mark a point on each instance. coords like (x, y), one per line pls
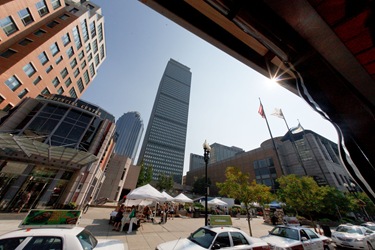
(217, 202)
(182, 198)
(146, 192)
(167, 196)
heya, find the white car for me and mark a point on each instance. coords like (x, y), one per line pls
(76, 238)
(354, 237)
(292, 237)
(215, 238)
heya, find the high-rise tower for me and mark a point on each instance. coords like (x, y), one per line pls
(129, 128)
(163, 147)
(48, 47)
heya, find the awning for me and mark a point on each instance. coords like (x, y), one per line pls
(22, 148)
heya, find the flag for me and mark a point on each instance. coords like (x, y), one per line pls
(278, 113)
(297, 129)
(261, 111)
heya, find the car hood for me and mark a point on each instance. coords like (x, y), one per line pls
(280, 241)
(179, 245)
(109, 245)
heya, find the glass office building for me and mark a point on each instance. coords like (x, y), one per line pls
(163, 147)
(129, 129)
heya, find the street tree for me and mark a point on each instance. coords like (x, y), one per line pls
(145, 175)
(302, 194)
(238, 186)
(164, 182)
(199, 186)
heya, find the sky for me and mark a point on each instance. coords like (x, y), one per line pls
(224, 97)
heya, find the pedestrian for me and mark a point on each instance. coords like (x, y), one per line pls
(87, 205)
(118, 218)
(24, 200)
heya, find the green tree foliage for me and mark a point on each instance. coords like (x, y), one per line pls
(302, 194)
(145, 175)
(164, 183)
(336, 204)
(238, 186)
(199, 186)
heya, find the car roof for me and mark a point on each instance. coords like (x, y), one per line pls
(223, 229)
(45, 231)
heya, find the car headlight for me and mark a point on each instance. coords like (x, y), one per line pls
(358, 239)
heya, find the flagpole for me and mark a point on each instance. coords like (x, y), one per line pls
(312, 151)
(273, 141)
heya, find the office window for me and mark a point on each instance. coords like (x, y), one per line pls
(89, 57)
(70, 52)
(81, 55)
(13, 83)
(64, 17)
(73, 93)
(92, 29)
(97, 61)
(90, 6)
(83, 65)
(84, 30)
(59, 59)
(45, 91)
(86, 77)
(42, 8)
(55, 4)
(43, 58)
(25, 16)
(23, 93)
(1, 99)
(39, 32)
(56, 82)
(68, 82)
(64, 73)
(29, 69)
(74, 10)
(54, 49)
(65, 39)
(77, 38)
(95, 46)
(49, 68)
(25, 41)
(73, 63)
(8, 53)
(60, 91)
(88, 47)
(8, 107)
(52, 24)
(100, 32)
(102, 51)
(80, 85)
(8, 25)
(37, 80)
(76, 72)
(92, 70)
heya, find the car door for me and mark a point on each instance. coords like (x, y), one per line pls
(306, 242)
(370, 236)
(240, 242)
(222, 239)
(315, 241)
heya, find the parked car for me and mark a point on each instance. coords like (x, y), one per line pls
(370, 225)
(215, 238)
(295, 237)
(354, 237)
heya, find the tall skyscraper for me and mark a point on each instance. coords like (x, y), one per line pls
(163, 147)
(48, 47)
(129, 128)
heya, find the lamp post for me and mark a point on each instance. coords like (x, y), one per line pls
(352, 189)
(206, 157)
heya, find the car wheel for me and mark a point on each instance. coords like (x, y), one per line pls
(369, 246)
(326, 248)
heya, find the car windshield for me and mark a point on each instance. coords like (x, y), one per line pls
(87, 240)
(372, 226)
(203, 237)
(350, 230)
(285, 232)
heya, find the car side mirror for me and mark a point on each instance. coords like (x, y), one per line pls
(304, 239)
(216, 246)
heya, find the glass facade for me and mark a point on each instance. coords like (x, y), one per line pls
(265, 172)
(164, 143)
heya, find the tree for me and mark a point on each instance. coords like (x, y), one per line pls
(145, 175)
(199, 186)
(237, 186)
(335, 203)
(164, 182)
(302, 194)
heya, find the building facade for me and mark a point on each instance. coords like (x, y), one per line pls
(129, 129)
(48, 47)
(320, 160)
(55, 147)
(163, 147)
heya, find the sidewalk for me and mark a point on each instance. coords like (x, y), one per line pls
(148, 235)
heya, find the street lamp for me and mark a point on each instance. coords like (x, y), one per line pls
(352, 189)
(206, 157)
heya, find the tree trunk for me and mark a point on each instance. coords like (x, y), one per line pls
(248, 219)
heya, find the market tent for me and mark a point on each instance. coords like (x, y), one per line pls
(139, 202)
(167, 196)
(182, 198)
(217, 202)
(146, 192)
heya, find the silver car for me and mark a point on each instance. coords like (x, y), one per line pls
(354, 237)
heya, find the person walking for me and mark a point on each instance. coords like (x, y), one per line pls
(118, 218)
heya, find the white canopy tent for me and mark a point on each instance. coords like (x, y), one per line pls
(146, 192)
(217, 202)
(167, 196)
(182, 199)
(129, 203)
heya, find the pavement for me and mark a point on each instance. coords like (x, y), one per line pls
(148, 236)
